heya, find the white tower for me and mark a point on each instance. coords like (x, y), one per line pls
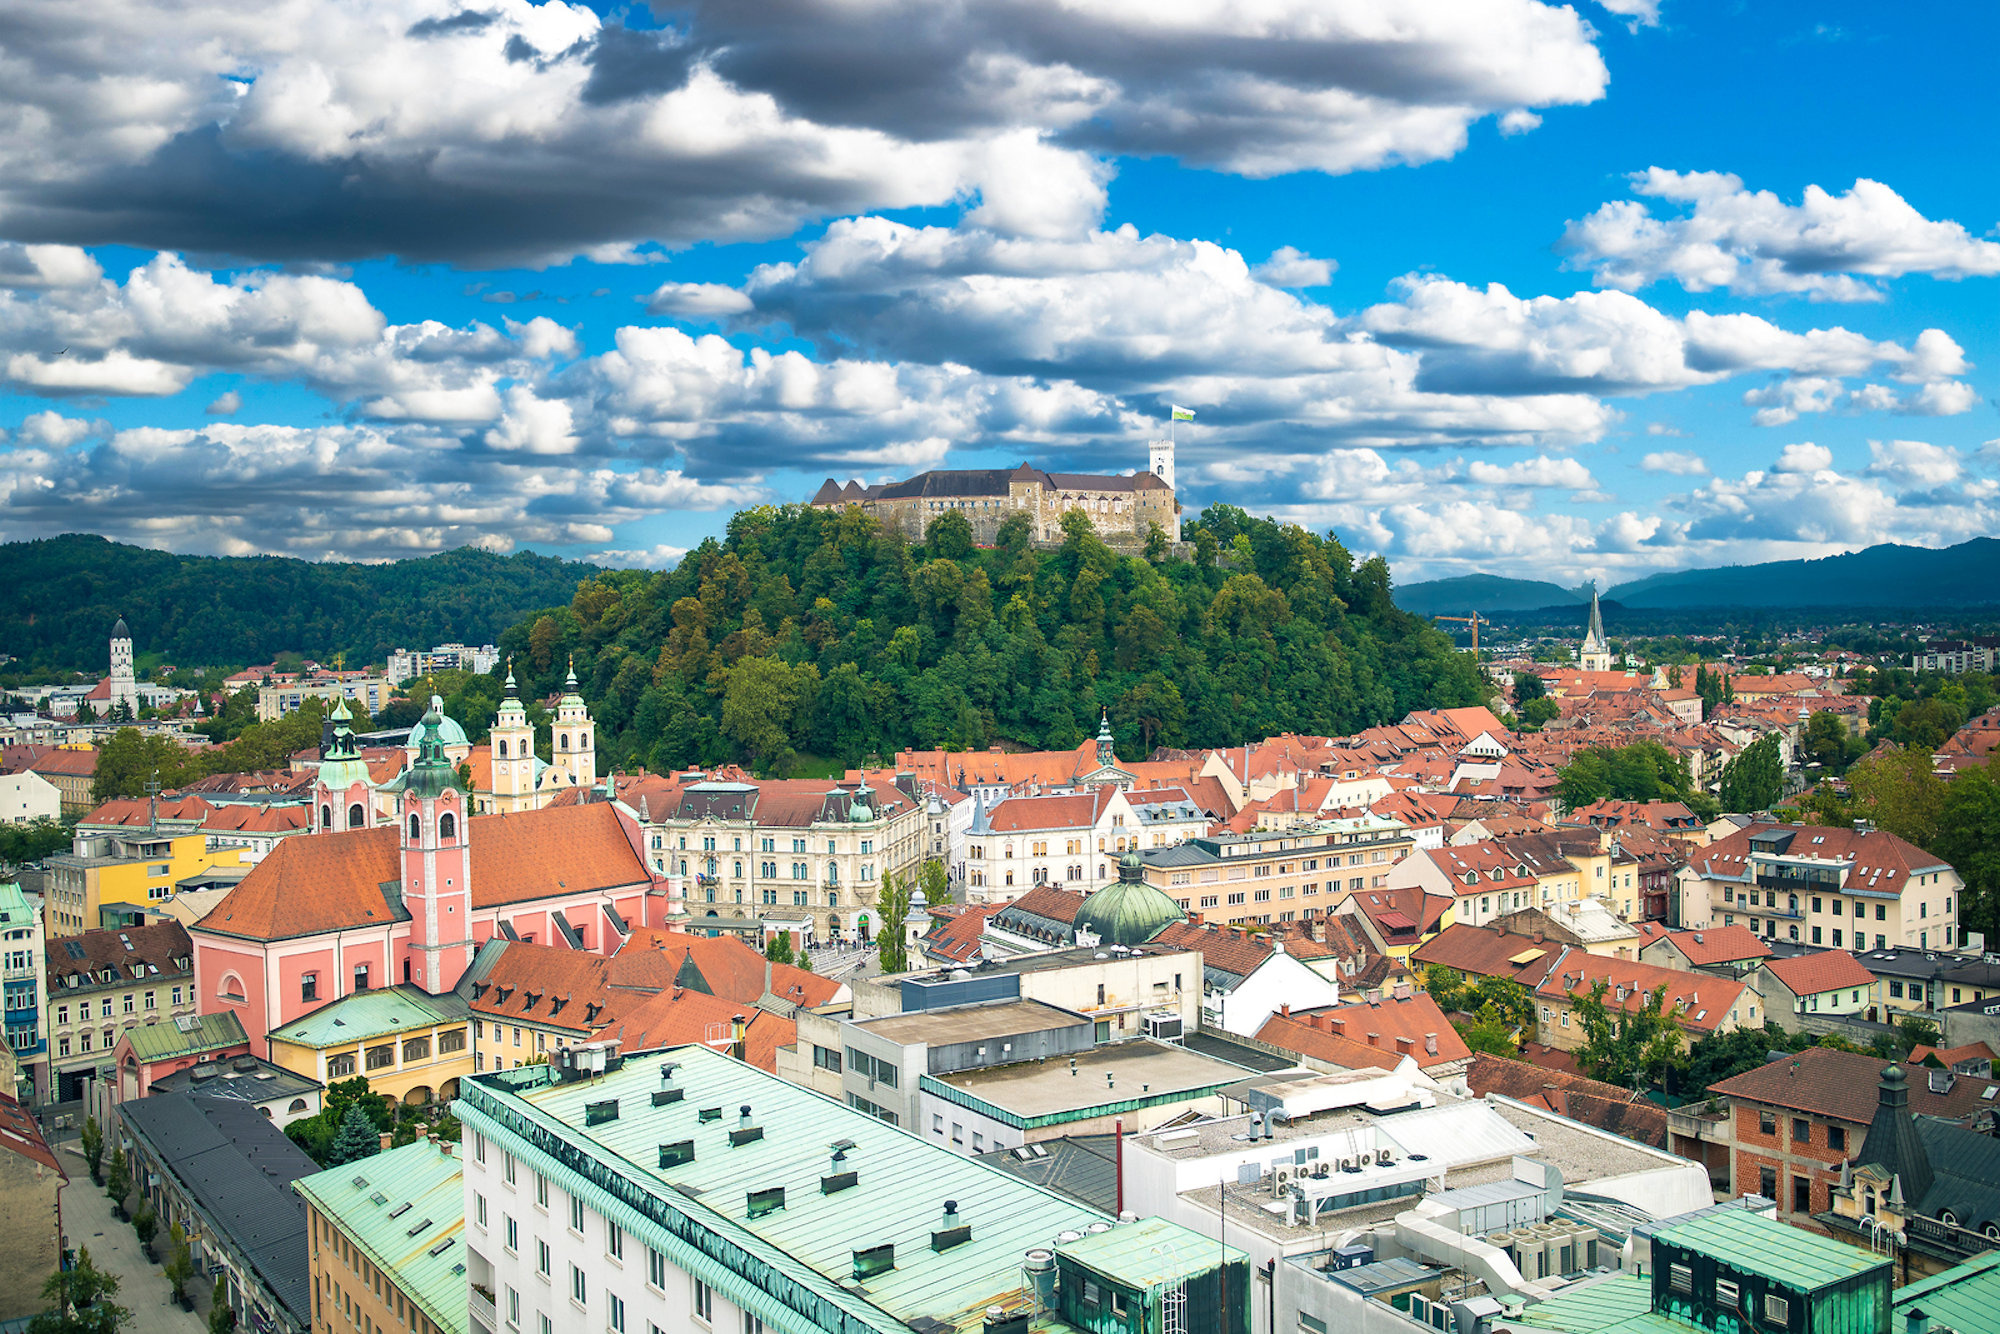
(513, 741)
(575, 751)
(1595, 656)
(1160, 462)
(124, 685)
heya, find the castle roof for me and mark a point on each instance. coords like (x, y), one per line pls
(946, 483)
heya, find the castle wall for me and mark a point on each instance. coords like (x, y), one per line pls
(1120, 516)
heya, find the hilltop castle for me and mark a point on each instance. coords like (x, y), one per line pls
(1121, 507)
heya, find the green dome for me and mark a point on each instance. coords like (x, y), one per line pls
(1130, 912)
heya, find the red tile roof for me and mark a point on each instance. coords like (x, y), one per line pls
(333, 881)
(1703, 999)
(1811, 974)
(157, 945)
(1058, 905)
(79, 761)
(1845, 1085)
(1486, 951)
(1876, 854)
(1396, 1027)
(1710, 946)
(678, 1018)
(1605, 1106)
(19, 1134)
(1950, 1056)
(1492, 867)
(654, 958)
(1229, 950)
(1020, 814)
(550, 986)
(954, 937)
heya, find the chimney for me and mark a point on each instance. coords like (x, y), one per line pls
(386, 1137)
(1402, 991)
(1334, 1025)
(1374, 1039)
(1404, 1045)
(1374, 996)
(1285, 1009)
(1430, 1044)
(738, 1048)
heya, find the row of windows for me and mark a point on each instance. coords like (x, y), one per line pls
(129, 1003)
(769, 871)
(329, 1239)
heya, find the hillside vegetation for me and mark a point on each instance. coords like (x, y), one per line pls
(60, 596)
(817, 631)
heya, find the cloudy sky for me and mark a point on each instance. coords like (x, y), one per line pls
(1497, 285)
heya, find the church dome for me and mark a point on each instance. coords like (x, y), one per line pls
(119, 631)
(1130, 912)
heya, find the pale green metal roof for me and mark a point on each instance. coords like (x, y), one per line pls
(1795, 1258)
(1150, 1255)
(1594, 1307)
(903, 1181)
(15, 909)
(372, 1014)
(360, 1197)
(163, 1041)
(1964, 1297)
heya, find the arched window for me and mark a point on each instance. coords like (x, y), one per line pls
(356, 817)
(565, 741)
(326, 817)
(232, 988)
(503, 750)
(297, 1108)
(447, 826)
(583, 741)
(416, 829)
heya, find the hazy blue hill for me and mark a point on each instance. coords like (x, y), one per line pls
(59, 597)
(1461, 595)
(1880, 576)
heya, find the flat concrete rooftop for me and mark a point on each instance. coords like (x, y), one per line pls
(969, 1023)
(1117, 1072)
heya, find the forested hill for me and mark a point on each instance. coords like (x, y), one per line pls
(59, 598)
(814, 631)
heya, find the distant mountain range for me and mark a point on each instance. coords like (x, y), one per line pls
(1882, 576)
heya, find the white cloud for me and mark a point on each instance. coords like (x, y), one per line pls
(1641, 12)
(225, 405)
(1675, 463)
(1913, 463)
(1752, 243)
(1806, 457)
(697, 300)
(53, 429)
(1519, 121)
(534, 425)
(1289, 266)
(1541, 471)
(41, 266)
(658, 557)
(525, 132)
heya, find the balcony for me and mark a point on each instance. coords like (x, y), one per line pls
(1796, 884)
(1697, 1123)
(479, 1303)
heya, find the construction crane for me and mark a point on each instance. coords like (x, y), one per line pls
(1475, 621)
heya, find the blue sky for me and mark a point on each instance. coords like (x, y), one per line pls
(1507, 286)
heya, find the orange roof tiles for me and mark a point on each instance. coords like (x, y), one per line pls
(1812, 974)
(1022, 814)
(1714, 945)
(1364, 1034)
(80, 762)
(678, 1018)
(653, 958)
(1704, 1000)
(332, 881)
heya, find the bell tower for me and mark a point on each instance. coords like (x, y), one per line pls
(436, 863)
(574, 748)
(1160, 461)
(342, 797)
(513, 741)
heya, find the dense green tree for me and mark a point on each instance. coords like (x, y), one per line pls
(1641, 771)
(1899, 790)
(132, 759)
(221, 1315)
(92, 1138)
(79, 1301)
(1755, 779)
(1968, 837)
(1916, 1031)
(1528, 686)
(118, 1180)
(1627, 1046)
(35, 840)
(892, 907)
(179, 1267)
(949, 536)
(357, 1138)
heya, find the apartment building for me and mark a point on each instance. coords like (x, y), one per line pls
(1286, 875)
(102, 983)
(1860, 888)
(23, 979)
(1073, 840)
(370, 692)
(385, 1239)
(111, 876)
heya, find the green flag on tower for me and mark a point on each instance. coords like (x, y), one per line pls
(1182, 414)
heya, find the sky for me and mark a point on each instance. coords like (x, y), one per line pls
(1560, 292)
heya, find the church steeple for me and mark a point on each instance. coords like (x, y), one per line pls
(1107, 755)
(342, 797)
(437, 861)
(1595, 656)
(513, 741)
(1892, 1143)
(575, 748)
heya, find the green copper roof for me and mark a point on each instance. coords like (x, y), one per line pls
(902, 1180)
(164, 1041)
(1796, 1258)
(432, 774)
(1130, 912)
(1593, 1307)
(1151, 1254)
(367, 1015)
(1965, 1296)
(415, 1182)
(15, 909)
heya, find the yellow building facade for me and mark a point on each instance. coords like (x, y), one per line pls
(408, 1045)
(127, 870)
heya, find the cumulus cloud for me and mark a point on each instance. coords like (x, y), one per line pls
(53, 429)
(1289, 266)
(1806, 457)
(1827, 247)
(658, 557)
(1675, 463)
(698, 301)
(1914, 463)
(225, 405)
(534, 132)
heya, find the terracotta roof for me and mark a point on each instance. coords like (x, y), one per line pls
(655, 959)
(133, 953)
(19, 1134)
(1423, 910)
(1875, 854)
(1494, 867)
(1591, 1101)
(1844, 1085)
(1018, 814)
(1483, 951)
(325, 882)
(955, 937)
(1058, 905)
(1415, 1019)
(679, 1018)
(1704, 1000)
(1710, 946)
(1950, 1056)
(78, 762)
(1231, 951)
(549, 985)
(1829, 970)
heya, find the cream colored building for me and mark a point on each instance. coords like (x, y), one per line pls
(371, 692)
(1285, 875)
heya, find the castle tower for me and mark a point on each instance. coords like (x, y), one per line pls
(436, 862)
(124, 684)
(1160, 462)
(574, 751)
(1595, 655)
(342, 796)
(513, 741)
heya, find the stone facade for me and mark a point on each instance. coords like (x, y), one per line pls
(1123, 508)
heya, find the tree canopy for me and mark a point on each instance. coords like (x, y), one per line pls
(811, 631)
(1755, 779)
(1642, 771)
